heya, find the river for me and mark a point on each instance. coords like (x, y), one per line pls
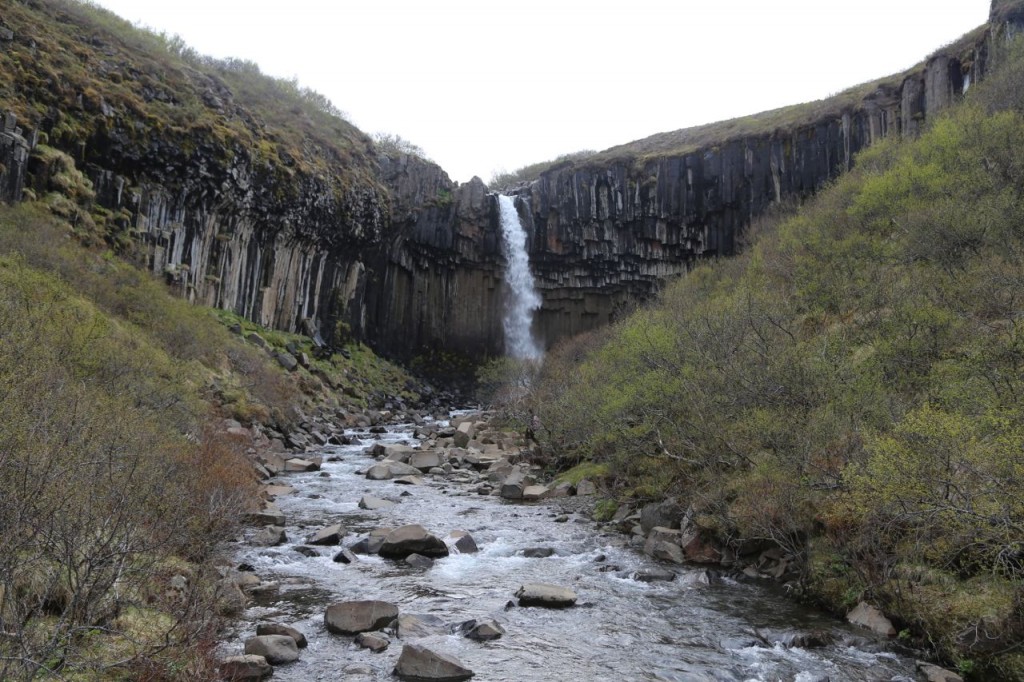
(620, 629)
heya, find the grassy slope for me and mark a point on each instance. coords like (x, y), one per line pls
(76, 71)
(115, 472)
(850, 387)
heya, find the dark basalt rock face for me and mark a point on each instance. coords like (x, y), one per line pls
(411, 262)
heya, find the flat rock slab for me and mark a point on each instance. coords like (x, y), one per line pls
(383, 471)
(412, 539)
(276, 649)
(424, 625)
(280, 629)
(353, 617)
(374, 641)
(532, 493)
(548, 596)
(420, 664)
(409, 480)
(371, 503)
(331, 535)
(299, 464)
(279, 490)
(245, 668)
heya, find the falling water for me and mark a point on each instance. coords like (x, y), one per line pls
(523, 297)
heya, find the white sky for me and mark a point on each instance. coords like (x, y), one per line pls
(482, 86)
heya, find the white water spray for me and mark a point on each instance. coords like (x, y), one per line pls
(523, 298)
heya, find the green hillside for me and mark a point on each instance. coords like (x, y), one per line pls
(850, 388)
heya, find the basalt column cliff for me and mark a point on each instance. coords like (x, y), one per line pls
(285, 214)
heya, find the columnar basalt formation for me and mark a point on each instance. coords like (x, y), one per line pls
(389, 246)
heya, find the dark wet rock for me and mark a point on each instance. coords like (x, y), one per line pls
(419, 561)
(482, 630)
(463, 542)
(277, 649)
(739, 642)
(353, 617)
(374, 641)
(664, 544)
(418, 625)
(345, 556)
(667, 514)
(331, 535)
(271, 536)
(538, 552)
(542, 594)
(281, 629)
(412, 539)
(816, 639)
(653, 574)
(245, 668)
(420, 664)
(371, 503)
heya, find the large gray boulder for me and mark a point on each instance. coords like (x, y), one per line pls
(371, 503)
(871, 618)
(331, 535)
(483, 631)
(548, 596)
(271, 536)
(353, 617)
(463, 542)
(277, 649)
(280, 629)
(420, 664)
(245, 668)
(425, 460)
(412, 539)
(425, 625)
(664, 544)
(386, 470)
(667, 514)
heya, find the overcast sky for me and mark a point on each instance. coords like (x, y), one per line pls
(483, 86)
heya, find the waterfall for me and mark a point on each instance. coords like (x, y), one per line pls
(523, 298)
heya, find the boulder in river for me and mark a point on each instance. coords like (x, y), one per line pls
(419, 561)
(374, 641)
(538, 552)
(277, 649)
(586, 487)
(271, 536)
(422, 625)
(425, 460)
(463, 542)
(353, 617)
(345, 556)
(421, 664)
(331, 535)
(548, 596)
(300, 464)
(245, 668)
(412, 539)
(933, 673)
(409, 480)
(482, 630)
(653, 574)
(280, 629)
(371, 503)
(532, 493)
(386, 470)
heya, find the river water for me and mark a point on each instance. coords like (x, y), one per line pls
(621, 629)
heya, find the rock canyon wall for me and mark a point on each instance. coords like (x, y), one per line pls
(411, 262)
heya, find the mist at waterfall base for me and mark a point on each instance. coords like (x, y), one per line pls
(522, 298)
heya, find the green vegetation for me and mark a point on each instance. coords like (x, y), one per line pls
(850, 387)
(505, 180)
(116, 479)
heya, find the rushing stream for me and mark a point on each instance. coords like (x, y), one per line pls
(621, 629)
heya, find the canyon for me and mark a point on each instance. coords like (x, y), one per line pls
(383, 247)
